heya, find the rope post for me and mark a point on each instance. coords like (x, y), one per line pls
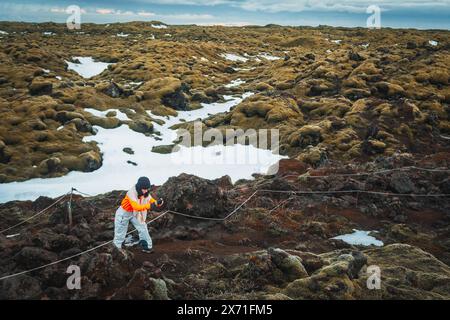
(69, 209)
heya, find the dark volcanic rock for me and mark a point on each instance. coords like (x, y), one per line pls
(42, 202)
(176, 100)
(411, 45)
(113, 90)
(128, 150)
(401, 183)
(310, 56)
(229, 70)
(359, 260)
(141, 286)
(31, 257)
(355, 56)
(20, 288)
(445, 186)
(40, 86)
(193, 195)
(82, 125)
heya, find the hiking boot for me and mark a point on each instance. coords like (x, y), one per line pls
(144, 247)
(130, 241)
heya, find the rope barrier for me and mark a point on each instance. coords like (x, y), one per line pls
(367, 173)
(359, 191)
(37, 214)
(83, 193)
(282, 203)
(50, 206)
(215, 219)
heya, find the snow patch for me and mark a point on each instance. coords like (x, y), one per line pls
(103, 114)
(87, 68)
(133, 84)
(235, 83)
(359, 237)
(243, 69)
(269, 57)
(433, 43)
(234, 57)
(159, 26)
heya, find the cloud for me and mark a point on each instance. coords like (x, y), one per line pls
(116, 12)
(187, 2)
(105, 11)
(186, 16)
(352, 6)
(64, 10)
(145, 14)
(58, 10)
(273, 6)
(227, 24)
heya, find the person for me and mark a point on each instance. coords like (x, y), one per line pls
(134, 208)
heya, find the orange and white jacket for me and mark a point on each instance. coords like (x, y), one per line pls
(133, 203)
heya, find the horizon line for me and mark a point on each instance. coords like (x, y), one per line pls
(231, 25)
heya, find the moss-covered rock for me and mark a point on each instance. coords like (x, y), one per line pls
(141, 126)
(86, 162)
(40, 86)
(291, 265)
(306, 136)
(165, 149)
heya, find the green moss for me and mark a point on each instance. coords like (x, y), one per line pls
(165, 149)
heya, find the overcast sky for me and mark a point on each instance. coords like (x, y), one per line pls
(395, 13)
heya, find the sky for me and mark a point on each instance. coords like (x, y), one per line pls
(348, 13)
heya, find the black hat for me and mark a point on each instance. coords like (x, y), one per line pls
(143, 183)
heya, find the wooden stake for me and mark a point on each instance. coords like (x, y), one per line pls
(69, 209)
